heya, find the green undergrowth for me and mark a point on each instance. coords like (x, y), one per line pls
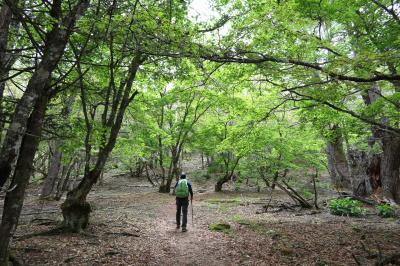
(385, 210)
(220, 227)
(223, 205)
(347, 207)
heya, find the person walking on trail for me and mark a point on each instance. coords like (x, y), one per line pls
(182, 190)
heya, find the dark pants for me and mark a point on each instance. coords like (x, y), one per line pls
(182, 205)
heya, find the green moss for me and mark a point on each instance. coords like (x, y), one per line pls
(220, 227)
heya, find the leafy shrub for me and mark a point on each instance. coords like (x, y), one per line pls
(385, 210)
(347, 207)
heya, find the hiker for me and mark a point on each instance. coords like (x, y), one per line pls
(182, 190)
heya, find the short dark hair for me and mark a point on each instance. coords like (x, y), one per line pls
(183, 176)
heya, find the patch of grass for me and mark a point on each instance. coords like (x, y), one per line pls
(223, 205)
(324, 185)
(385, 210)
(237, 218)
(255, 226)
(307, 194)
(224, 201)
(220, 227)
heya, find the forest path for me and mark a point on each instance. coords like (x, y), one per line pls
(194, 247)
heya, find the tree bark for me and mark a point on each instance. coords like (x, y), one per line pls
(56, 154)
(54, 47)
(220, 183)
(383, 169)
(228, 174)
(5, 59)
(15, 198)
(54, 169)
(337, 162)
(2, 118)
(62, 184)
(390, 167)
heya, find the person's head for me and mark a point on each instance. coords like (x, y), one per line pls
(183, 176)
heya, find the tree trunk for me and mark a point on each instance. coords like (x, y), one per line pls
(75, 209)
(360, 181)
(274, 179)
(15, 198)
(165, 186)
(384, 168)
(54, 169)
(5, 21)
(228, 173)
(2, 117)
(390, 167)
(63, 182)
(337, 162)
(221, 182)
(55, 164)
(6, 59)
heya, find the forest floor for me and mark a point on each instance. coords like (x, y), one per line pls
(133, 224)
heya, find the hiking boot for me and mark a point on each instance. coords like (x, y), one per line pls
(184, 229)
(178, 226)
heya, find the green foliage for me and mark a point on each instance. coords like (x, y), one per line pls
(307, 194)
(346, 207)
(385, 210)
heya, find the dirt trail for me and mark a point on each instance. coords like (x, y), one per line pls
(194, 247)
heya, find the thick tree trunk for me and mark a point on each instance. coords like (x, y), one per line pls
(5, 21)
(173, 171)
(337, 162)
(360, 182)
(75, 209)
(228, 173)
(54, 48)
(6, 58)
(164, 188)
(221, 182)
(384, 168)
(54, 169)
(390, 167)
(15, 198)
(2, 117)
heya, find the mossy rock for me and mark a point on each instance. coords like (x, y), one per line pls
(220, 227)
